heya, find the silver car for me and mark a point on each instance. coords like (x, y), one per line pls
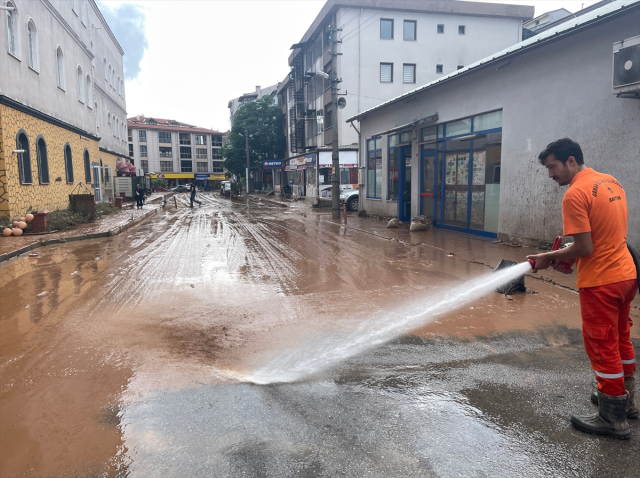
(350, 197)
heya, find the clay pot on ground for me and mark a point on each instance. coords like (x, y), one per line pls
(16, 231)
(22, 224)
(15, 223)
(6, 232)
(22, 219)
(29, 217)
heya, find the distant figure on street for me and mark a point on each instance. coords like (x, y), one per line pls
(193, 194)
(139, 195)
(594, 212)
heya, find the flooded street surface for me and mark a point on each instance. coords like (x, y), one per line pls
(138, 356)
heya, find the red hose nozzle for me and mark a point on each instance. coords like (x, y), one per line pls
(533, 263)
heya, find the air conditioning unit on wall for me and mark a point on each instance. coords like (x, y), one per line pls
(626, 67)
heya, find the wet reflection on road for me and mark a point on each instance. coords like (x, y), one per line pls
(122, 356)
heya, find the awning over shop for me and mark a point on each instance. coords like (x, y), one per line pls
(427, 119)
(210, 177)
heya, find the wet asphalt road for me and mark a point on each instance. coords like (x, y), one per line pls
(133, 356)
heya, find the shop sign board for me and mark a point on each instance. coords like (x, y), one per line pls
(202, 176)
(272, 164)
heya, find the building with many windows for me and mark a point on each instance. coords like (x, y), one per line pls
(62, 102)
(386, 49)
(178, 152)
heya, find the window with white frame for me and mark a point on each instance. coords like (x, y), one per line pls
(145, 165)
(143, 151)
(60, 67)
(13, 30)
(166, 166)
(201, 139)
(32, 37)
(185, 152)
(216, 140)
(462, 30)
(166, 152)
(89, 91)
(164, 137)
(386, 72)
(201, 153)
(131, 150)
(185, 138)
(186, 166)
(80, 82)
(201, 167)
(215, 153)
(217, 166)
(142, 135)
(408, 73)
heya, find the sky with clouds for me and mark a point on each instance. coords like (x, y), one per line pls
(186, 59)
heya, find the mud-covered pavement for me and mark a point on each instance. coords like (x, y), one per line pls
(134, 356)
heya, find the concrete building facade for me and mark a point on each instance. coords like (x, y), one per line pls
(463, 150)
(62, 101)
(235, 103)
(386, 50)
(177, 151)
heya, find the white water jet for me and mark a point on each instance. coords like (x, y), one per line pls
(322, 352)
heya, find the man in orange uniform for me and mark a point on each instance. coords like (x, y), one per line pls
(594, 212)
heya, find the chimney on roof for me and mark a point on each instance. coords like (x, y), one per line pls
(138, 118)
(258, 89)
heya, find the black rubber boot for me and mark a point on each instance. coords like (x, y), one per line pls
(611, 419)
(630, 387)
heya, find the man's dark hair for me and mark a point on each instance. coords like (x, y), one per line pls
(561, 150)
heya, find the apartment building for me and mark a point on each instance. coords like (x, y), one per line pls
(236, 103)
(178, 152)
(62, 103)
(386, 49)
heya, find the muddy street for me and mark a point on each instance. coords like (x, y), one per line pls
(260, 342)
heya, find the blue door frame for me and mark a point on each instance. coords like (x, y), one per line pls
(403, 156)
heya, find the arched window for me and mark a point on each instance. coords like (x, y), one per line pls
(43, 161)
(60, 67)
(68, 163)
(109, 75)
(80, 85)
(89, 92)
(32, 35)
(12, 29)
(24, 158)
(113, 77)
(87, 167)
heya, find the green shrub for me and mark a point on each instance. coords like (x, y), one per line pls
(104, 209)
(63, 219)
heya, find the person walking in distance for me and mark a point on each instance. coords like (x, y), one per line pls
(139, 195)
(193, 194)
(594, 212)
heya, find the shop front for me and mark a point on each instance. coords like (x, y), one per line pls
(460, 173)
(203, 180)
(348, 160)
(271, 174)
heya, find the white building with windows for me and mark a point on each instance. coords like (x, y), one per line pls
(178, 152)
(62, 100)
(386, 49)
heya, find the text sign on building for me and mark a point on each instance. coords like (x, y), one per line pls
(273, 164)
(202, 176)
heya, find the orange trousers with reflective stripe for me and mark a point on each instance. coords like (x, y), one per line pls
(606, 329)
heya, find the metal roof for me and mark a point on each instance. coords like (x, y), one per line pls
(548, 35)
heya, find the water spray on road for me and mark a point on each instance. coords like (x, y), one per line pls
(326, 351)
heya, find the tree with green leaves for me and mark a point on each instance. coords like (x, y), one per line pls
(263, 122)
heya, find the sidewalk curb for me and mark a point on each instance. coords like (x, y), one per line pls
(96, 235)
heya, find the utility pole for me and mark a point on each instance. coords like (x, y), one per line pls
(246, 147)
(335, 154)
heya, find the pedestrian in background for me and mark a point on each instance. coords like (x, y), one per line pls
(139, 196)
(193, 194)
(594, 212)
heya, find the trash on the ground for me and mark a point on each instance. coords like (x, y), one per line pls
(508, 297)
(451, 254)
(395, 222)
(516, 285)
(420, 223)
